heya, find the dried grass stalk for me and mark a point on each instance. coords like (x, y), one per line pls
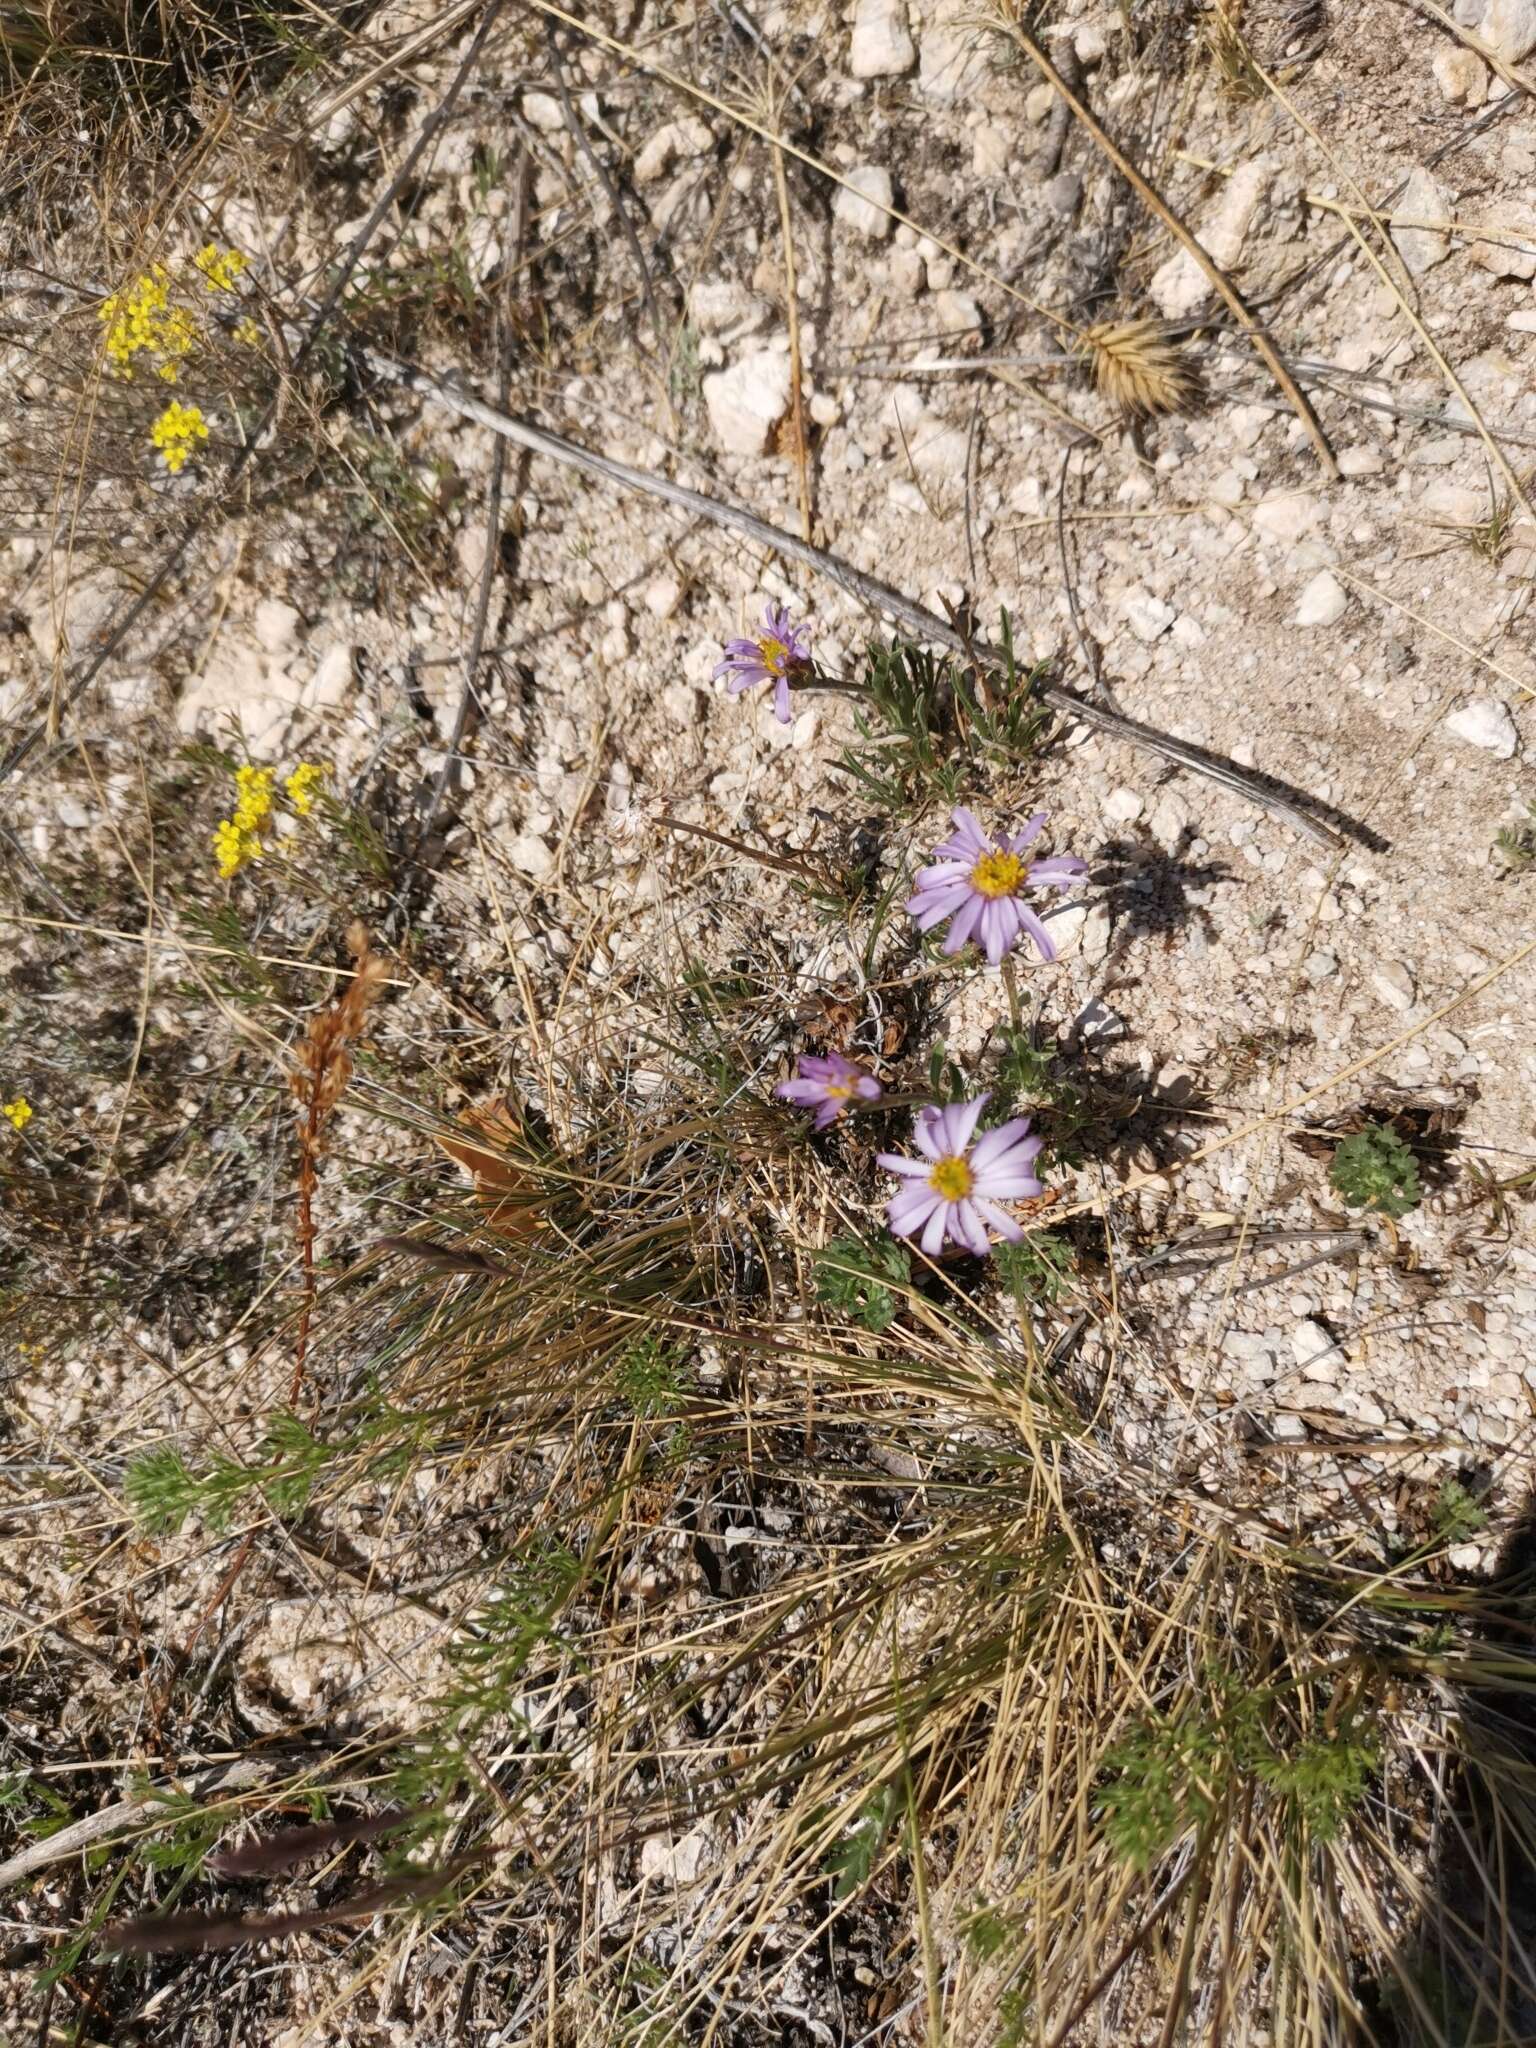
(1139, 367)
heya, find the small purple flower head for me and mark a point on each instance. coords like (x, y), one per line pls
(781, 655)
(980, 882)
(829, 1086)
(954, 1189)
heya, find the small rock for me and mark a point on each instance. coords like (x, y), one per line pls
(663, 596)
(71, 814)
(275, 625)
(1485, 723)
(952, 62)
(686, 138)
(1461, 75)
(1323, 602)
(1180, 286)
(530, 855)
(747, 401)
(1287, 1429)
(1147, 616)
(1285, 515)
(1315, 1352)
(881, 45)
(863, 204)
(989, 146)
(956, 313)
(1513, 252)
(1063, 194)
(543, 111)
(1320, 966)
(1510, 26)
(1465, 1557)
(1123, 806)
(328, 687)
(1421, 199)
(1361, 462)
(1393, 984)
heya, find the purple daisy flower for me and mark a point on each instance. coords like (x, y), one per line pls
(829, 1086)
(954, 1189)
(979, 883)
(781, 655)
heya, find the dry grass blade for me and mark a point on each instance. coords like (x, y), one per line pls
(1138, 366)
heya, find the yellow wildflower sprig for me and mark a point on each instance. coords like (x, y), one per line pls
(176, 433)
(18, 1114)
(142, 321)
(220, 269)
(237, 839)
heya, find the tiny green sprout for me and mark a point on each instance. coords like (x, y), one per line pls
(650, 1376)
(855, 1280)
(1036, 1271)
(851, 1860)
(1514, 846)
(1374, 1169)
(1457, 1513)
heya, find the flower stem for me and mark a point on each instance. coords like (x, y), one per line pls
(1010, 982)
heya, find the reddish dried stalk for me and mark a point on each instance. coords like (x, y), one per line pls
(324, 1065)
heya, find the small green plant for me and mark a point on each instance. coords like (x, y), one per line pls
(1457, 1513)
(1167, 1781)
(1173, 1775)
(931, 719)
(162, 1489)
(1036, 1271)
(855, 1281)
(651, 1377)
(850, 1861)
(1515, 845)
(1374, 1169)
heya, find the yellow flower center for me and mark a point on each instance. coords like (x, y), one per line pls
(952, 1179)
(840, 1091)
(775, 656)
(997, 874)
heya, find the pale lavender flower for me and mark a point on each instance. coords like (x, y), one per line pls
(781, 655)
(979, 883)
(954, 1189)
(829, 1086)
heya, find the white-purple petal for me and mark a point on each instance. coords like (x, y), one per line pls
(992, 1144)
(910, 1169)
(939, 1226)
(907, 1212)
(1000, 1220)
(1038, 933)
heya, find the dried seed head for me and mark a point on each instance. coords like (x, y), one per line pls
(1139, 366)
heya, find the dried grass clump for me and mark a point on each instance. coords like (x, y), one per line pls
(1140, 368)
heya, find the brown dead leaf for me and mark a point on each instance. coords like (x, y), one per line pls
(496, 1158)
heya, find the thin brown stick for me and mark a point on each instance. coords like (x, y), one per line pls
(792, 315)
(869, 590)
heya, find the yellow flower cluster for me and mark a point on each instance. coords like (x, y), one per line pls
(176, 432)
(18, 1114)
(143, 321)
(220, 271)
(238, 838)
(301, 782)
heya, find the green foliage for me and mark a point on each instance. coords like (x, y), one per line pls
(929, 723)
(851, 1860)
(986, 1931)
(1515, 845)
(1374, 1169)
(1457, 1513)
(651, 1376)
(1167, 1774)
(1030, 1077)
(1037, 1271)
(1172, 1775)
(855, 1279)
(162, 1489)
(1323, 1779)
